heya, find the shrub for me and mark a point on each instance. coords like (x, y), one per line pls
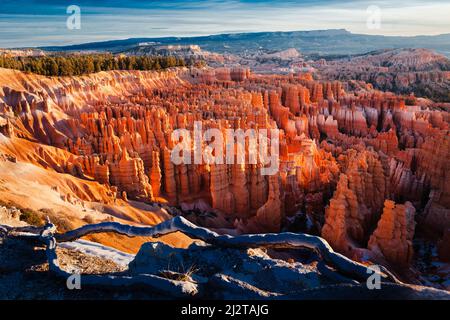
(62, 223)
(31, 217)
(88, 219)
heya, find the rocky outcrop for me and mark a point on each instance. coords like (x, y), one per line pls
(341, 143)
(11, 217)
(399, 70)
(270, 216)
(128, 173)
(394, 233)
(222, 198)
(432, 162)
(240, 267)
(6, 127)
(155, 174)
(357, 202)
(347, 230)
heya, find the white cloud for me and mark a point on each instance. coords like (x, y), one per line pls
(100, 23)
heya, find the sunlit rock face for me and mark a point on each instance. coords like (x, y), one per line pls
(394, 233)
(422, 71)
(355, 165)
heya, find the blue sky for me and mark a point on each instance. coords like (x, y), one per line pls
(43, 22)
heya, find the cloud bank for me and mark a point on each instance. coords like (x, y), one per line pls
(43, 22)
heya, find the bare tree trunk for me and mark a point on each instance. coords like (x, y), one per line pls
(271, 240)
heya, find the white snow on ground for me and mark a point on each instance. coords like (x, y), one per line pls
(98, 250)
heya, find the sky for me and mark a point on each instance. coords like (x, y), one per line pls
(25, 23)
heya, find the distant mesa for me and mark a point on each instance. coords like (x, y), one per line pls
(322, 42)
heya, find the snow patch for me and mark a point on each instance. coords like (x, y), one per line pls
(98, 250)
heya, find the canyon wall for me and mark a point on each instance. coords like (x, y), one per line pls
(356, 164)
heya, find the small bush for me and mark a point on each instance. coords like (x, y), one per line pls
(31, 217)
(108, 219)
(62, 223)
(88, 219)
(179, 276)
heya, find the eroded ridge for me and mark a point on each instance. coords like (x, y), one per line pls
(356, 165)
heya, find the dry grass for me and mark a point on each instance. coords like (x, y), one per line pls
(62, 223)
(179, 276)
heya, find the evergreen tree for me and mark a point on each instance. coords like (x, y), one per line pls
(73, 65)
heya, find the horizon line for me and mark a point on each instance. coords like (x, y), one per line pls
(224, 33)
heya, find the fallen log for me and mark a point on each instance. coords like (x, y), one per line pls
(172, 288)
(290, 240)
(345, 269)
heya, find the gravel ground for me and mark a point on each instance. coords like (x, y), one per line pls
(24, 274)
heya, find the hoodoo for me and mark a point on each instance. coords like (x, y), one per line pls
(356, 166)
